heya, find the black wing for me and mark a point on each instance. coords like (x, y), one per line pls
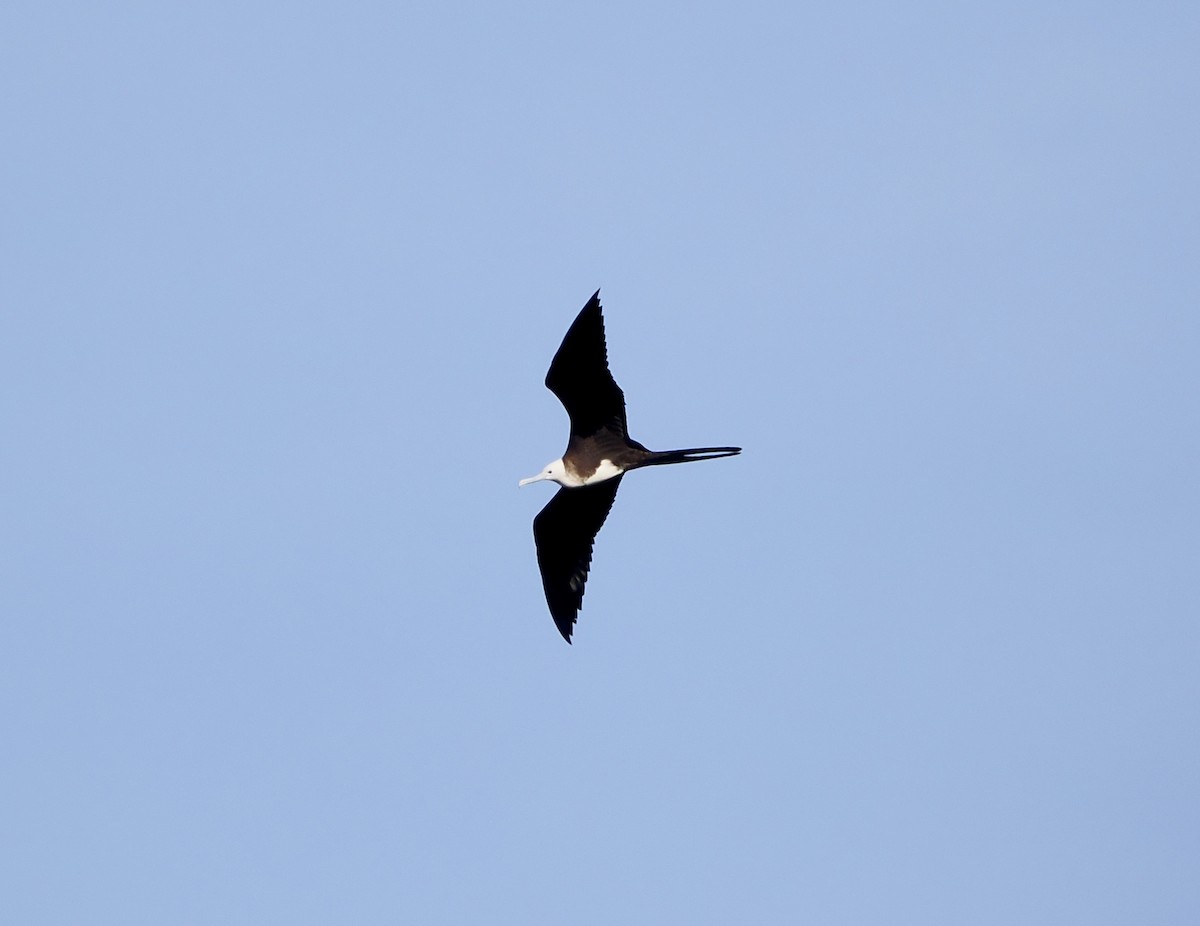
(564, 532)
(580, 377)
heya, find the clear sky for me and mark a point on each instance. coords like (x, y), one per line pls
(280, 284)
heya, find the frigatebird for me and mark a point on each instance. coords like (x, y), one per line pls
(599, 453)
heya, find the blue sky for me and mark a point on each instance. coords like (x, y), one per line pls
(280, 283)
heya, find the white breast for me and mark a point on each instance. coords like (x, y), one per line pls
(606, 470)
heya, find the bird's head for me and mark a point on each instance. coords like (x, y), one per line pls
(555, 471)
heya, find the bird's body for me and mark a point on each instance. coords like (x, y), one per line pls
(598, 454)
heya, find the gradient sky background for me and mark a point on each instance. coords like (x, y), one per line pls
(280, 284)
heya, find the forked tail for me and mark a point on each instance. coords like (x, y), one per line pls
(661, 457)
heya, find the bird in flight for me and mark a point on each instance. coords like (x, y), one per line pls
(599, 453)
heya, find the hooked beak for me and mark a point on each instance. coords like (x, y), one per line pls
(538, 478)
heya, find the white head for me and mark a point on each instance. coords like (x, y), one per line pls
(555, 471)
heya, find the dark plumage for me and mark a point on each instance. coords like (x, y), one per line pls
(599, 452)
